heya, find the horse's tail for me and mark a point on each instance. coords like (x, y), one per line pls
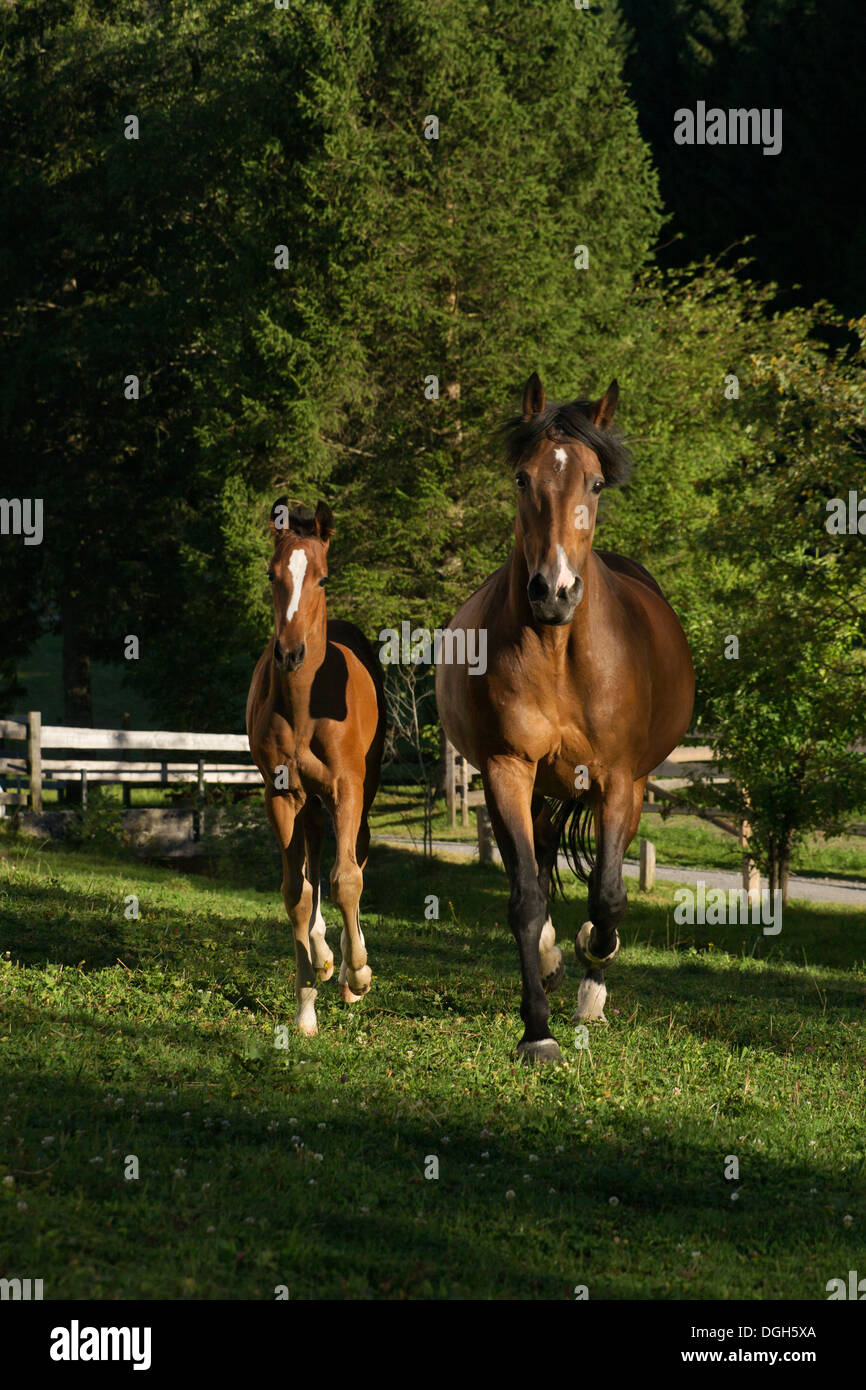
(572, 823)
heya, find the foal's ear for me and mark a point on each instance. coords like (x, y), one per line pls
(602, 410)
(533, 396)
(279, 519)
(324, 522)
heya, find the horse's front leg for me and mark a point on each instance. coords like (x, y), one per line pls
(287, 818)
(347, 882)
(546, 841)
(508, 792)
(597, 943)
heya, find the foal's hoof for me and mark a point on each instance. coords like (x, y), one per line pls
(584, 954)
(546, 1050)
(354, 984)
(590, 1003)
(554, 966)
(324, 972)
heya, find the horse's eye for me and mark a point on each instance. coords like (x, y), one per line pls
(271, 576)
(521, 481)
(598, 486)
(323, 581)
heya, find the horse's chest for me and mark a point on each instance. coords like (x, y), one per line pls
(288, 764)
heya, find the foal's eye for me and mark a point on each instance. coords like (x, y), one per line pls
(271, 576)
(598, 486)
(521, 481)
(323, 581)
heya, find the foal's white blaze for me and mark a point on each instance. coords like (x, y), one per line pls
(297, 569)
(560, 455)
(566, 576)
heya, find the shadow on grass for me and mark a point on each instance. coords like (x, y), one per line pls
(233, 1205)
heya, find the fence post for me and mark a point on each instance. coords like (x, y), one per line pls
(485, 835)
(125, 788)
(84, 789)
(450, 783)
(34, 759)
(647, 866)
(198, 818)
(464, 791)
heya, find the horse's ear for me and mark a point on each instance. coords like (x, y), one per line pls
(279, 520)
(602, 410)
(533, 396)
(324, 522)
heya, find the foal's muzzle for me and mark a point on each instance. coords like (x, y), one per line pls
(289, 661)
(554, 609)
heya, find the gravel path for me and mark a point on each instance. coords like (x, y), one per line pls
(817, 890)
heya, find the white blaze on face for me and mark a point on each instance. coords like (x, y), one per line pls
(560, 455)
(297, 569)
(565, 576)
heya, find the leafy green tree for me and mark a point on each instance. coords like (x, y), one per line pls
(784, 706)
(805, 57)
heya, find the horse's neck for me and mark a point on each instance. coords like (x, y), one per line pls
(292, 689)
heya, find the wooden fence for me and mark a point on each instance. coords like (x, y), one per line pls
(37, 771)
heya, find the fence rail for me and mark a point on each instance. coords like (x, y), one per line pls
(39, 771)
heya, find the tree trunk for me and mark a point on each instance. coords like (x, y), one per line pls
(77, 695)
(771, 864)
(784, 868)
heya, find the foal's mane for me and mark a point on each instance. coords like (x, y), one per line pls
(301, 521)
(568, 421)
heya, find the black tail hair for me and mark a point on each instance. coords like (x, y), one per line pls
(572, 822)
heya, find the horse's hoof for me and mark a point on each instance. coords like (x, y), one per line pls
(354, 984)
(590, 1003)
(584, 954)
(324, 972)
(305, 1018)
(545, 1050)
(554, 966)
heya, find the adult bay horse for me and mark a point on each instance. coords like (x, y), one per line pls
(589, 685)
(316, 726)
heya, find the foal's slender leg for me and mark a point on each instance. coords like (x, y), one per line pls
(287, 820)
(508, 792)
(314, 831)
(597, 943)
(347, 882)
(546, 847)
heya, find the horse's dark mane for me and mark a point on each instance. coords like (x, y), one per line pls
(568, 421)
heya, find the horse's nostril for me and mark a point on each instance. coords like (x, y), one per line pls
(538, 588)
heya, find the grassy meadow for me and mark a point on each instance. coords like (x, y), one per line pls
(305, 1167)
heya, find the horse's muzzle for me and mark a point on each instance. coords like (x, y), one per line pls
(553, 609)
(289, 661)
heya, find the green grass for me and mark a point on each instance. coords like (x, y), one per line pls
(155, 1037)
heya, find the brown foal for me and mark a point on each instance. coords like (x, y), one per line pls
(316, 726)
(589, 685)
